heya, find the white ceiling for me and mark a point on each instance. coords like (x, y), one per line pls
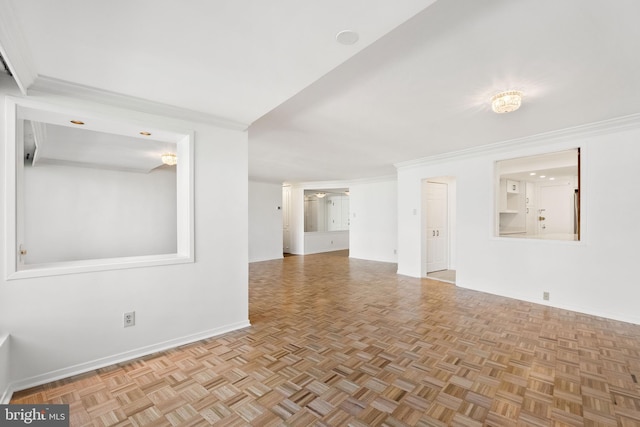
(416, 84)
(50, 144)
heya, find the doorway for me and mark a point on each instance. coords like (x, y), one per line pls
(438, 200)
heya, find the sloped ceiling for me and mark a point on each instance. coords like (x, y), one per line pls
(416, 84)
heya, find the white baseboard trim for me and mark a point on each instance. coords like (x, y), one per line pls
(5, 398)
(5, 366)
(626, 318)
(82, 368)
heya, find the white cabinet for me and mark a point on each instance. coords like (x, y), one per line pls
(511, 200)
(512, 207)
(531, 210)
(512, 187)
(337, 213)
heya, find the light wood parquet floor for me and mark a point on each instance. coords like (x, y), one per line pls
(345, 342)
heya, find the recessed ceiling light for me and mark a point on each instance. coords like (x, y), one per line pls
(76, 122)
(506, 102)
(347, 37)
(532, 173)
(145, 133)
(543, 176)
(551, 179)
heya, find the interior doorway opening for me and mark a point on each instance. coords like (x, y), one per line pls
(439, 228)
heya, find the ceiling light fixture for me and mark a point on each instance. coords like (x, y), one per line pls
(145, 133)
(169, 159)
(77, 122)
(320, 195)
(506, 102)
(347, 37)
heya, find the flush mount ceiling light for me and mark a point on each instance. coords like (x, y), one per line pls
(169, 159)
(347, 37)
(77, 122)
(145, 133)
(506, 102)
(320, 195)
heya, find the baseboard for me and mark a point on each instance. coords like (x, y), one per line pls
(569, 307)
(117, 358)
(5, 367)
(5, 397)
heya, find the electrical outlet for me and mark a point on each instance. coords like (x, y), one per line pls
(545, 296)
(129, 319)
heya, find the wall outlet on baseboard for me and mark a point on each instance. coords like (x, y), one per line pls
(545, 296)
(129, 319)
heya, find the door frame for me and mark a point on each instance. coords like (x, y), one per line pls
(451, 224)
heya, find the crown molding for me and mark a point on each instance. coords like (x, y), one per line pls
(617, 124)
(343, 183)
(50, 85)
(14, 49)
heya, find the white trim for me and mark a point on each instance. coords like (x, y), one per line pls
(5, 395)
(185, 203)
(93, 265)
(605, 126)
(122, 357)
(341, 184)
(54, 86)
(14, 50)
(10, 183)
(570, 307)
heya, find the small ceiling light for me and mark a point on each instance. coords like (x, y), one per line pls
(347, 37)
(543, 176)
(551, 179)
(532, 173)
(506, 102)
(145, 133)
(320, 195)
(169, 159)
(77, 122)
(347, 192)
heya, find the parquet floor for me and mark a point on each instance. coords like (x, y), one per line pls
(344, 342)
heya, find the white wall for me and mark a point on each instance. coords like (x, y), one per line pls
(325, 241)
(312, 242)
(374, 224)
(265, 221)
(372, 232)
(76, 213)
(66, 324)
(596, 275)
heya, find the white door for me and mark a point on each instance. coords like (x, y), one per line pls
(556, 207)
(437, 226)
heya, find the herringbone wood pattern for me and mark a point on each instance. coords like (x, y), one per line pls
(337, 341)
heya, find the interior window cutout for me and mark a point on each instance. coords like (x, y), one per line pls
(326, 210)
(538, 197)
(94, 194)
